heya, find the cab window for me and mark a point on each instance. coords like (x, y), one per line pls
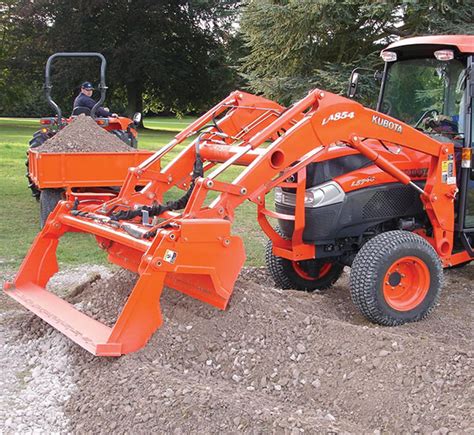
(415, 86)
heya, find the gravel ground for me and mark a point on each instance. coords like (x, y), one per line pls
(85, 136)
(275, 361)
(37, 368)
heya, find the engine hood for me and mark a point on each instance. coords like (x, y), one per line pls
(354, 171)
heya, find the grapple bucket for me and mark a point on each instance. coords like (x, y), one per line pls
(190, 251)
(201, 260)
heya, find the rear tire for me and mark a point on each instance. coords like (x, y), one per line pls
(49, 198)
(35, 192)
(396, 278)
(306, 275)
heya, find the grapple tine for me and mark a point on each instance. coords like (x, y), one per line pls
(42, 262)
(141, 315)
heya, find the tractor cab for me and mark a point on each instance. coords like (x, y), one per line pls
(428, 83)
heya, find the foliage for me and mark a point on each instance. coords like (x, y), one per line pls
(182, 55)
(297, 44)
(170, 51)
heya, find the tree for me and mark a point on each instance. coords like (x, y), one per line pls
(296, 45)
(20, 81)
(166, 54)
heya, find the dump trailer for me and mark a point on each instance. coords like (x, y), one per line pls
(91, 176)
(391, 196)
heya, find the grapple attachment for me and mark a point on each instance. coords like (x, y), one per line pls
(199, 258)
(191, 251)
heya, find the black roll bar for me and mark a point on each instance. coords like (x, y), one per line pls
(48, 85)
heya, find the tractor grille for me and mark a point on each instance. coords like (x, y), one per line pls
(389, 203)
(319, 222)
(326, 217)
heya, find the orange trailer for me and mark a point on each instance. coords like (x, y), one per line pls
(76, 171)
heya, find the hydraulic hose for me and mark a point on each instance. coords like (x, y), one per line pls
(157, 209)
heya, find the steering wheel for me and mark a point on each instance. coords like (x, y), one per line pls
(434, 112)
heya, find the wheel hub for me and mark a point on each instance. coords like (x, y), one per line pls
(310, 269)
(394, 279)
(406, 283)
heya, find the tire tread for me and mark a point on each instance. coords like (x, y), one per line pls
(364, 273)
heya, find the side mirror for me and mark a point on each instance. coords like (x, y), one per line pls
(353, 81)
(137, 117)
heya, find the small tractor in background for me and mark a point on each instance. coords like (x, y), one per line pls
(49, 186)
(388, 192)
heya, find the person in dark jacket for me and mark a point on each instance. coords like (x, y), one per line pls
(84, 103)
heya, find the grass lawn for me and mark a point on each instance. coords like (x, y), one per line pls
(168, 124)
(19, 211)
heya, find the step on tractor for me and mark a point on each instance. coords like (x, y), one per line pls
(388, 192)
(47, 187)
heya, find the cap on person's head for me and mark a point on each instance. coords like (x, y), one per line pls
(88, 86)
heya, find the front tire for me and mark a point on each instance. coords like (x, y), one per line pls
(396, 278)
(49, 198)
(306, 275)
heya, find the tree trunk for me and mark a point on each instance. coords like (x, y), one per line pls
(134, 99)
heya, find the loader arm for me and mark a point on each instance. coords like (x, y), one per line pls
(192, 249)
(234, 119)
(330, 119)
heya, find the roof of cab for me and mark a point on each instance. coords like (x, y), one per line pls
(464, 43)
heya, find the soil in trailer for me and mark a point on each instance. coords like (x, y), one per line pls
(85, 136)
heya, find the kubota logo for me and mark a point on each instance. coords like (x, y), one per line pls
(386, 123)
(417, 172)
(338, 116)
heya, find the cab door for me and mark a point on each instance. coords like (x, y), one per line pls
(466, 194)
(467, 202)
(469, 213)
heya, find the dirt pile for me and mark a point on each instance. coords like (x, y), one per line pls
(85, 136)
(275, 361)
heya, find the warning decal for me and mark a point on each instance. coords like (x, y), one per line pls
(447, 170)
(170, 256)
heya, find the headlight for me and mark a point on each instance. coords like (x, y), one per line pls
(318, 196)
(278, 195)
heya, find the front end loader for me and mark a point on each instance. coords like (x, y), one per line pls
(187, 243)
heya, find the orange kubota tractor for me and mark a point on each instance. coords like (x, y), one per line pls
(388, 192)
